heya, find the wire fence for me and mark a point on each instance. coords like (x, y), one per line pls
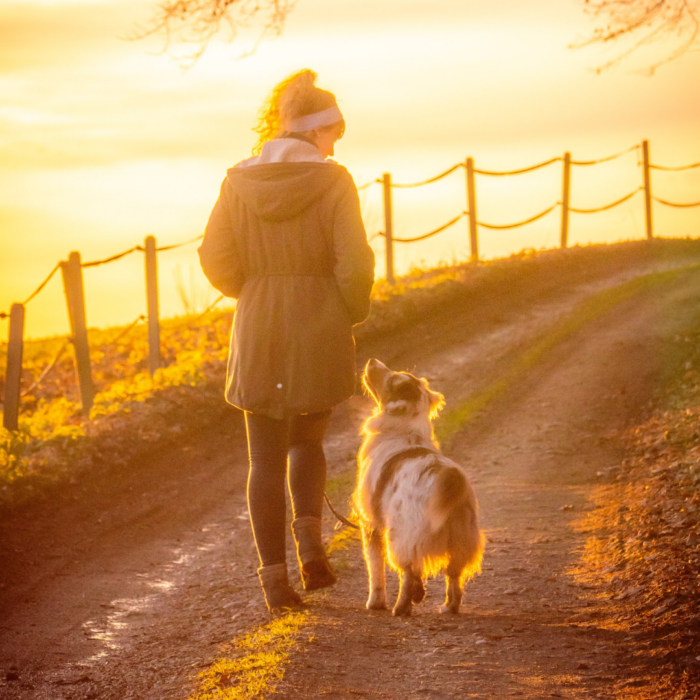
(475, 223)
(71, 269)
(72, 274)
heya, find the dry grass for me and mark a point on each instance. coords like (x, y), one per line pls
(643, 551)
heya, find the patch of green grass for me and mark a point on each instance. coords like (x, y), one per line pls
(51, 425)
(338, 490)
(342, 540)
(452, 421)
(341, 485)
(254, 663)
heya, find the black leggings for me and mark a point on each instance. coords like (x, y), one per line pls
(269, 443)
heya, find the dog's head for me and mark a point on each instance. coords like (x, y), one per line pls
(400, 393)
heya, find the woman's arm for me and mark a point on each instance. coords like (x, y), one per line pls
(354, 267)
(217, 254)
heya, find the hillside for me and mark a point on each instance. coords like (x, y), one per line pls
(55, 441)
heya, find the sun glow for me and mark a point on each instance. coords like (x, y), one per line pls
(104, 141)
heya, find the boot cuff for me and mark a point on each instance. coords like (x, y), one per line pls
(273, 575)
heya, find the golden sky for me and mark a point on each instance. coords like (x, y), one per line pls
(104, 141)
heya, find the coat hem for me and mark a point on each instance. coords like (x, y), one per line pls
(282, 413)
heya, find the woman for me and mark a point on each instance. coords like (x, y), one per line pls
(286, 239)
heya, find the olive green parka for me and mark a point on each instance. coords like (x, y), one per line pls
(287, 240)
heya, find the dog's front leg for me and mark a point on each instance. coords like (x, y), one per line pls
(373, 547)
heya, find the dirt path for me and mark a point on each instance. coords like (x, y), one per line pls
(126, 588)
(528, 628)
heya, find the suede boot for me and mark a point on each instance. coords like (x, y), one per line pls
(279, 595)
(316, 571)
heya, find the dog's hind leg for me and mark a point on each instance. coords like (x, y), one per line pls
(453, 596)
(418, 595)
(373, 547)
(408, 579)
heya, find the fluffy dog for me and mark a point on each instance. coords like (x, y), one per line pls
(417, 508)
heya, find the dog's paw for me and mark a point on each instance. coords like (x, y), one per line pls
(450, 608)
(377, 601)
(402, 609)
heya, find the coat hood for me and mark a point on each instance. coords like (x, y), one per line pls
(280, 191)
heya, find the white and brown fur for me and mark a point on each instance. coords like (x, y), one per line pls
(417, 508)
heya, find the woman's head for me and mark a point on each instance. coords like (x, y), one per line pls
(298, 106)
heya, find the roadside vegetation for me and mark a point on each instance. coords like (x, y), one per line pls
(133, 411)
(645, 545)
(251, 665)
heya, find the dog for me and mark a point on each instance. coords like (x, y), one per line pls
(416, 508)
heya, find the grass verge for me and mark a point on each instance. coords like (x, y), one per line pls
(450, 422)
(251, 666)
(55, 442)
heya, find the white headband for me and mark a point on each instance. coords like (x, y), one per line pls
(327, 117)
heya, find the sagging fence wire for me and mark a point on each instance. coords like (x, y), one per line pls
(42, 285)
(141, 249)
(179, 245)
(429, 181)
(566, 209)
(45, 373)
(124, 331)
(4, 314)
(427, 235)
(187, 320)
(607, 206)
(96, 263)
(210, 307)
(607, 158)
(672, 204)
(501, 173)
(681, 167)
(503, 227)
(112, 258)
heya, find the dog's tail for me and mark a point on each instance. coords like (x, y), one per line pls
(450, 488)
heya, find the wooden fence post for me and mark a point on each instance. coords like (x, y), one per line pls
(565, 201)
(647, 189)
(72, 273)
(388, 228)
(13, 372)
(471, 203)
(152, 304)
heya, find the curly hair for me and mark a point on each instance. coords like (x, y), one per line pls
(295, 96)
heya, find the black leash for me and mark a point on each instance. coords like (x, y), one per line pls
(341, 519)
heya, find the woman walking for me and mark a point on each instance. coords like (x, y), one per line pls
(287, 240)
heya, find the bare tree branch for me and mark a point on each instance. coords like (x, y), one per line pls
(644, 22)
(196, 22)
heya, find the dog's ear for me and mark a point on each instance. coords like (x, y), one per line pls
(373, 378)
(368, 387)
(437, 402)
(396, 408)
